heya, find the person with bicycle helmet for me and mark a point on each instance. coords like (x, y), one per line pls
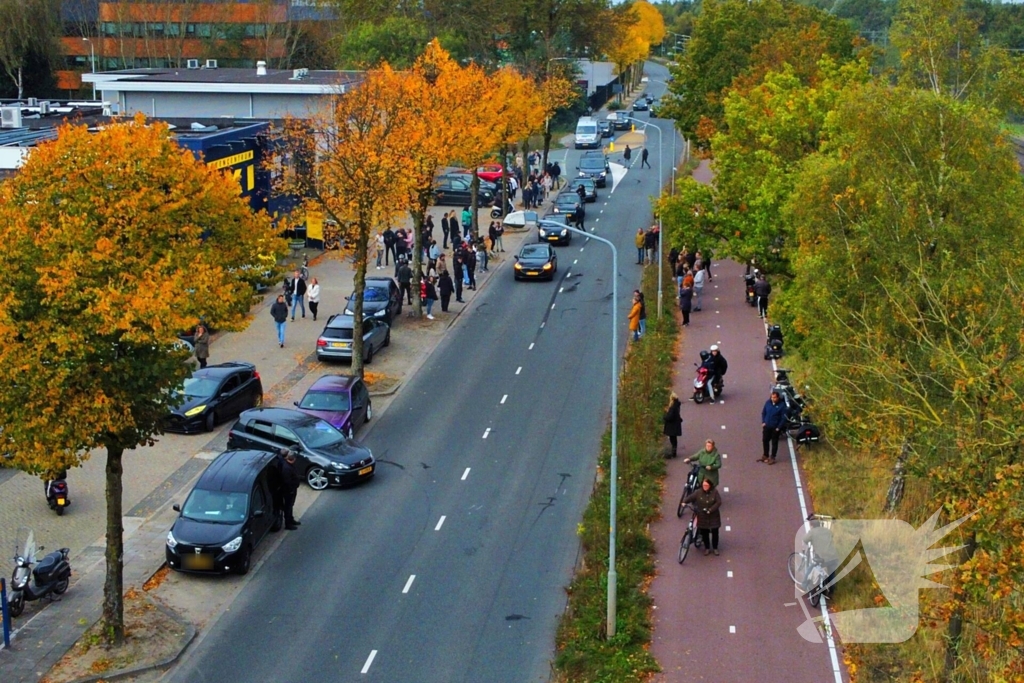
(707, 502)
(710, 462)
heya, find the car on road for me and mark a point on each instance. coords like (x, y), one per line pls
(606, 128)
(456, 192)
(341, 400)
(649, 98)
(214, 394)
(594, 167)
(536, 262)
(567, 202)
(381, 299)
(589, 188)
(226, 515)
(641, 104)
(656, 109)
(619, 120)
(552, 234)
(599, 154)
(324, 455)
(335, 342)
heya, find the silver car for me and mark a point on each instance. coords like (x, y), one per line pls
(335, 342)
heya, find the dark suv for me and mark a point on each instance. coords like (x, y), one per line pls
(324, 454)
(593, 167)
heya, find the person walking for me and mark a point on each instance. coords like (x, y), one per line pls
(699, 279)
(290, 478)
(467, 220)
(707, 502)
(640, 240)
(279, 311)
(470, 262)
(430, 296)
(578, 215)
(445, 287)
(433, 254)
(761, 290)
(428, 228)
(458, 275)
(405, 282)
(201, 345)
(379, 247)
(673, 424)
(313, 295)
(773, 421)
(627, 153)
(634, 317)
(481, 254)
(710, 462)
(442, 264)
(389, 246)
(298, 295)
(643, 159)
(685, 302)
(651, 243)
(444, 231)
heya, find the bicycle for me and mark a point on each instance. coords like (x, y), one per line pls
(691, 537)
(690, 487)
(807, 570)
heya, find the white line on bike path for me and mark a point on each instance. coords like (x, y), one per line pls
(833, 655)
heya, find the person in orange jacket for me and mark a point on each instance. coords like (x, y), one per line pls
(634, 317)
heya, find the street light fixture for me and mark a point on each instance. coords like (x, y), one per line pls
(614, 468)
(92, 61)
(661, 233)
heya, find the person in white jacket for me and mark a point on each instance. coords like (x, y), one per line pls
(313, 296)
(699, 278)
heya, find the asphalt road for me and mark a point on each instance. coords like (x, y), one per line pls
(451, 565)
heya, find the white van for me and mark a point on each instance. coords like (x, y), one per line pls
(587, 133)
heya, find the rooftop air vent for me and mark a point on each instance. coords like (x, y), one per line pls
(44, 108)
(10, 117)
(192, 64)
(261, 68)
(211, 63)
(299, 74)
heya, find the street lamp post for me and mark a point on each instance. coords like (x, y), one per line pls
(661, 233)
(614, 469)
(92, 61)
(675, 159)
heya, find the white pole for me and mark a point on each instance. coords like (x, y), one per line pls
(661, 233)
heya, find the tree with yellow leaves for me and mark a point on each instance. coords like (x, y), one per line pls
(114, 241)
(636, 28)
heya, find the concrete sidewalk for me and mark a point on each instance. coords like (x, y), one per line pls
(156, 477)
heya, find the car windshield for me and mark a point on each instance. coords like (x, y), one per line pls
(566, 199)
(325, 400)
(221, 507)
(592, 164)
(373, 294)
(200, 387)
(319, 434)
(586, 130)
(534, 252)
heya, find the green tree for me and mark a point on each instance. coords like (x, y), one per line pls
(397, 40)
(115, 241)
(29, 34)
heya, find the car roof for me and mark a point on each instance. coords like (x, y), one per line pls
(281, 416)
(342, 321)
(334, 383)
(379, 281)
(234, 470)
(535, 247)
(223, 369)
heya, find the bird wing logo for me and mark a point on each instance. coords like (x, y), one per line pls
(900, 558)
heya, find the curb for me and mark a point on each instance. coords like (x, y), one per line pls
(186, 639)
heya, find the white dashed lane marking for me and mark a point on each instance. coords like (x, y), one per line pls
(732, 629)
(440, 523)
(465, 474)
(530, 348)
(369, 661)
(412, 577)
(519, 369)
(728, 575)
(728, 528)
(487, 432)
(503, 399)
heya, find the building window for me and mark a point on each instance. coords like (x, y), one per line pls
(204, 30)
(109, 28)
(173, 29)
(255, 30)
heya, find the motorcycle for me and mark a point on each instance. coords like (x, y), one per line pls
(32, 580)
(57, 495)
(496, 211)
(798, 424)
(700, 382)
(748, 288)
(773, 347)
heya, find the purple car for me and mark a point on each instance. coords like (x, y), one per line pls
(341, 400)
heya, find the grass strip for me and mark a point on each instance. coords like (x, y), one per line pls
(584, 654)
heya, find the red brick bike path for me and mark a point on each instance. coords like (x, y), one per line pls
(733, 618)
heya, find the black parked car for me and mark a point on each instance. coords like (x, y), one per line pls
(227, 514)
(381, 299)
(456, 192)
(465, 177)
(213, 394)
(324, 454)
(536, 262)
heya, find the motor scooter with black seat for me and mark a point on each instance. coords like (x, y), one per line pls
(57, 495)
(36, 580)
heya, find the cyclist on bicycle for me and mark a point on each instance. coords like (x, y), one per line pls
(820, 536)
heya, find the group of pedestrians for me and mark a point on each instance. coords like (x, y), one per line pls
(297, 293)
(692, 273)
(647, 245)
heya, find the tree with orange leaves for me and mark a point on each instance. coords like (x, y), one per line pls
(351, 165)
(113, 242)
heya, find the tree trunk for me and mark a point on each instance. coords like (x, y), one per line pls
(955, 627)
(504, 180)
(418, 221)
(474, 194)
(547, 143)
(359, 284)
(21, 92)
(113, 585)
(895, 495)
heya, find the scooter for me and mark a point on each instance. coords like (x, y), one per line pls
(748, 288)
(496, 208)
(700, 384)
(773, 347)
(51, 576)
(57, 495)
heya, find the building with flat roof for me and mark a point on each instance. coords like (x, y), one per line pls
(212, 92)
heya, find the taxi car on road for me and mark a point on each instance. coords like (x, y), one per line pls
(535, 262)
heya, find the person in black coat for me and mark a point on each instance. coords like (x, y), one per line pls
(673, 423)
(444, 231)
(469, 259)
(389, 245)
(761, 290)
(445, 287)
(290, 479)
(773, 421)
(405, 282)
(685, 303)
(458, 266)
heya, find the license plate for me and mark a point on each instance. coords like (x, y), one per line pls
(60, 501)
(553, 237)
(197, 561)
(532, 272)
(339, 345)
(365, 470)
